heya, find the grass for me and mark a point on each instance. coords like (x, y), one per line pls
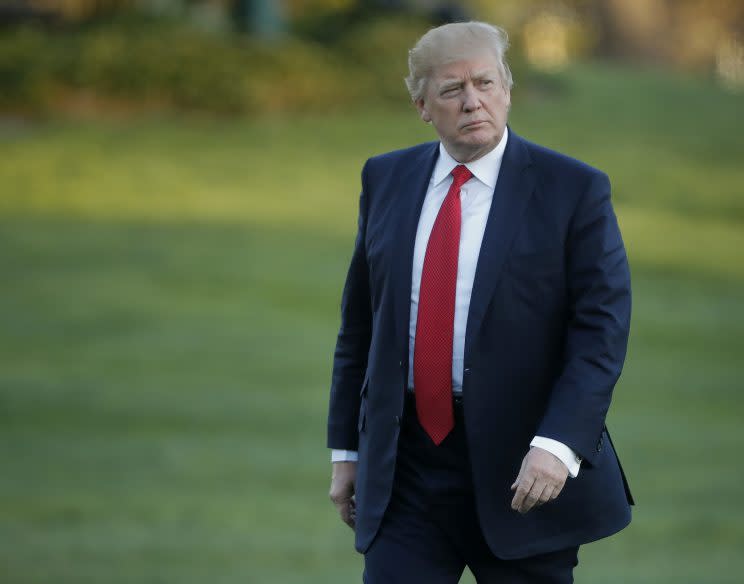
(168, 310)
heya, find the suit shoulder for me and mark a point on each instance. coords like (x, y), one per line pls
(403, 156)
(556, 163)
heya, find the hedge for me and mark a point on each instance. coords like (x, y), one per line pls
(185, 68)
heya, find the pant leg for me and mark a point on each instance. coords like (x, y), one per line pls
(410, 548)
(414, 543)
(458, 518)
(550, 568)
(431, 530)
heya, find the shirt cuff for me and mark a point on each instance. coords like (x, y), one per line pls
(565, 454)
(344, 455)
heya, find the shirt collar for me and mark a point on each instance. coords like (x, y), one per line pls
(485, 169)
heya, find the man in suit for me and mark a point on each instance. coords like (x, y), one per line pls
(484, 324)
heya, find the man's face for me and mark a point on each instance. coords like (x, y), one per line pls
(467, 103)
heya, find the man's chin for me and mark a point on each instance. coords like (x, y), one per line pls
(482, 133)
(477, 141)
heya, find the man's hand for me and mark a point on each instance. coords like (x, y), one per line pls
(343, 480)
(540, 480)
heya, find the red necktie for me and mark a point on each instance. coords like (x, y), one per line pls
(435, 323)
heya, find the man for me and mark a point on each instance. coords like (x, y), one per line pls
(484, 325)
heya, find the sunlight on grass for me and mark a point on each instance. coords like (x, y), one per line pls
(662, 240)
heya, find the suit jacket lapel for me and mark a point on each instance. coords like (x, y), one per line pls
(514, 188)
(412, 186)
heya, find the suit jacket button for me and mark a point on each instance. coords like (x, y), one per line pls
(599, 445)
(397, 420)
(400, 364)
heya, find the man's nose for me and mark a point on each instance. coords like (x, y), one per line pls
(471, 101)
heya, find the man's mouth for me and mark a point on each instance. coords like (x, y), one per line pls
(472, 125)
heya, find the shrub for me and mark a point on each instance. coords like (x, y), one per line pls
(171, 65)
(180, 67)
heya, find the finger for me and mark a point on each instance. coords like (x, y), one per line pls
(341, 495)
(343, 511)
(351, 513)
(352, 516)
(347, 513)
(532, 496)
(523, 489)
(557, 490)
(340, 499)
(546, 495)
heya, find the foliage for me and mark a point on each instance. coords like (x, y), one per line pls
(154, 64)
(169, 65)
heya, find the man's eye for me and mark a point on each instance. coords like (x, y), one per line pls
(450, 91)
(486, 82)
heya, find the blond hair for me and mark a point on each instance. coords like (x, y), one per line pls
(454, 42)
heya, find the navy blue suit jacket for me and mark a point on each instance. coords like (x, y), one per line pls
(545, 343)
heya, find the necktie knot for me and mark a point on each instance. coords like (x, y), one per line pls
(461, 175)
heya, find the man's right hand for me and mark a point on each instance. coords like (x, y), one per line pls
(343, 480)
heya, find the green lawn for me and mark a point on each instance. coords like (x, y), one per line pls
(168, 310)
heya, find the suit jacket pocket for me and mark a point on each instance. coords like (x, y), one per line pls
(362, 414)
(365, 384)
(628, 494)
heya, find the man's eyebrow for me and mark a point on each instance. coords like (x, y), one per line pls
(478, 75)
(485, 73)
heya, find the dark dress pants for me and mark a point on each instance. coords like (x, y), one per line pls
(430, 530)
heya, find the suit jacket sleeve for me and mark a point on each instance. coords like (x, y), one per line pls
(352, 345)
(598, 281)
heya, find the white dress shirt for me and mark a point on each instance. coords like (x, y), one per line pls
(475, 201)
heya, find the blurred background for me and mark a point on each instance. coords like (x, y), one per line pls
(178, 193)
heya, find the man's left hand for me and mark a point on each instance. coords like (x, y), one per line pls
(540, 480)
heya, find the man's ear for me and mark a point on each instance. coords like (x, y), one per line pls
(421, 107)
